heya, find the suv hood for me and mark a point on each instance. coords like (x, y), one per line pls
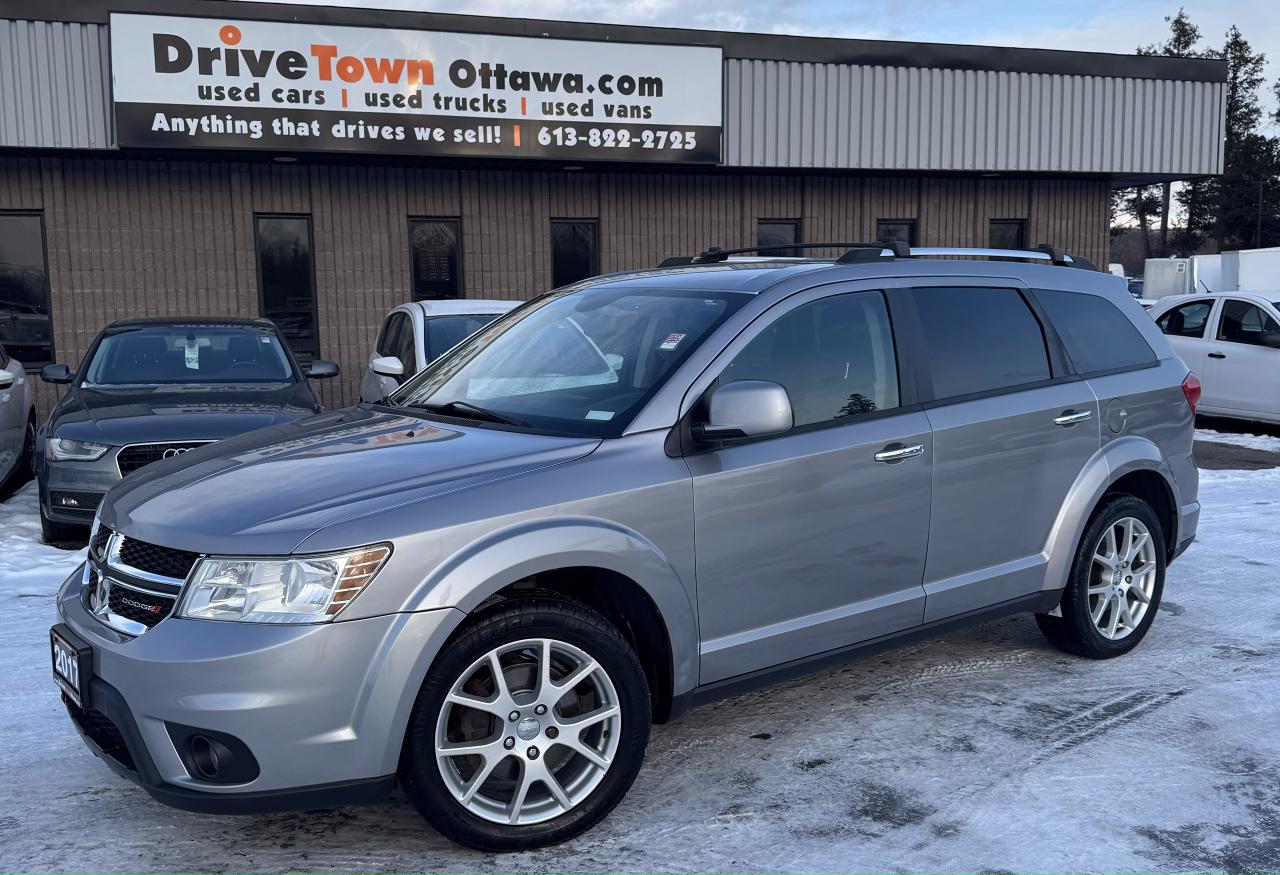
(148, 414)
(265, 492)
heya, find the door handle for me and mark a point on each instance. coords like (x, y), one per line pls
(899, 453)
(1071, 417)
(1217, 355)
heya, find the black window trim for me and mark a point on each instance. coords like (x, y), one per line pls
(551, 243)
(257, 258)
(462, 273)
(680, 442)
(34, 367)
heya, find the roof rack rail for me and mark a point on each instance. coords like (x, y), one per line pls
(856, 253)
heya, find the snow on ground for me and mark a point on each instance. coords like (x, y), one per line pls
(1250, 441)
(984, 750)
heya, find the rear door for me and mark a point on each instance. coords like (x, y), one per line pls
(1012, 429)
(814, 539)
(1242, 365)
(1185, 325)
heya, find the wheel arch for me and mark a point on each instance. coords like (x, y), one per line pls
(608, 567)
(1131, 465)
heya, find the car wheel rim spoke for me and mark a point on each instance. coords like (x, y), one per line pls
(528, 731)
(1122, 578)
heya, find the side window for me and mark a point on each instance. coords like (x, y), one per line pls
(1186, 320)
(980, 340)
(389, 337)
(405, 349)
(1098, 337)
(1243, 322)
(834, 357)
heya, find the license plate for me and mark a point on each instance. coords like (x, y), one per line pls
(72, 663)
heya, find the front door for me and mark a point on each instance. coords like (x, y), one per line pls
(1241, 372)
(806, 541)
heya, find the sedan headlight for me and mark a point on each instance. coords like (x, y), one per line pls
(68, 450)
(295, 589)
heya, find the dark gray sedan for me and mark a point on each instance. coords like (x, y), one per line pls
(152, 389)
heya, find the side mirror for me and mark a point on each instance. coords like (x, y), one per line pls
(6, 379)
(387, 366)
(55, 374)
(322, 370)
(746, 409)
(1270, 338)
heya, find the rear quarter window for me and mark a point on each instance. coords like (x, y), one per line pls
(1098, 337)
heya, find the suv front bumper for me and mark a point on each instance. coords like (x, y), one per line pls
(321, 708)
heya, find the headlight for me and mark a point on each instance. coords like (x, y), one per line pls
(67, 450)
(297, 589)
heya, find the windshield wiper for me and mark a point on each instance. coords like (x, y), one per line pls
(470, 411)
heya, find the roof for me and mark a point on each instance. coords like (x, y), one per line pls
(461, 307)
(191, 322)
(773, 47)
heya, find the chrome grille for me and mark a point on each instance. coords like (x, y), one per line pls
(131, 458)
(156, 560)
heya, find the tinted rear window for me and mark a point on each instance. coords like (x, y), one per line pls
(1098, 337)
(980, 340)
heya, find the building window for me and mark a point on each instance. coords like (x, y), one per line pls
(574, 254)
(435, 251)
(26, 330)
(896, 229)
(1007, 234)
(286, 280)
(779, 232)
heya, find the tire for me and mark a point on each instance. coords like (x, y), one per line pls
(517, 631)
(1094, 624)
(64, 535)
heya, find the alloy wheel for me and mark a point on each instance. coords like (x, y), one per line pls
(528, 731)
(1122, 579)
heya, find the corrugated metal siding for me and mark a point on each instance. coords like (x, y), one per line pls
(55, 93)
(55, 85)
(792, 114)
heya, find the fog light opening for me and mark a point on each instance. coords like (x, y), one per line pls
(210, 757)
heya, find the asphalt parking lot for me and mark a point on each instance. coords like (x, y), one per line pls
(982, 751)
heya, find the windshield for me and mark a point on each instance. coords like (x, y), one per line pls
(446, 332)
(576, 362)
(182, 354)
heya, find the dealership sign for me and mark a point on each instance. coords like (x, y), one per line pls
(210, 83)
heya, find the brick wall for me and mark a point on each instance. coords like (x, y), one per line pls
(129, 237)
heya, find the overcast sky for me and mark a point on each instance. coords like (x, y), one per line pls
(1089, 25)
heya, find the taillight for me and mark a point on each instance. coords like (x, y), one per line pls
(1191, 388)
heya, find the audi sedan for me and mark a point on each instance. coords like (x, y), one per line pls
(148, 391)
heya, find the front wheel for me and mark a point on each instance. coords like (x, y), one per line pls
(1116, 582)
(530, 727)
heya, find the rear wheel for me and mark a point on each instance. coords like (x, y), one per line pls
(1116, 582)
(530, 728)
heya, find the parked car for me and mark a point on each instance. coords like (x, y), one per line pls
(152, 389)
(1232, 340)
(485, 586)
(17, 422)
(414, 335)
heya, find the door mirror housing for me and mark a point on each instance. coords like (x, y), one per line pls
(6, 379)
(322, 370)
(387, 366)
(55, 374)
(1270, 338)
(746, 409)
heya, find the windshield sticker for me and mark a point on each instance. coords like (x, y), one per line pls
(193, 354)
(672, 341)
(600, 415)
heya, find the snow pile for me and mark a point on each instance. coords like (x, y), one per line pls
(29, 567)
(1250, 441)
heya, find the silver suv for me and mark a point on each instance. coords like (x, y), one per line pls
(623, 499)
